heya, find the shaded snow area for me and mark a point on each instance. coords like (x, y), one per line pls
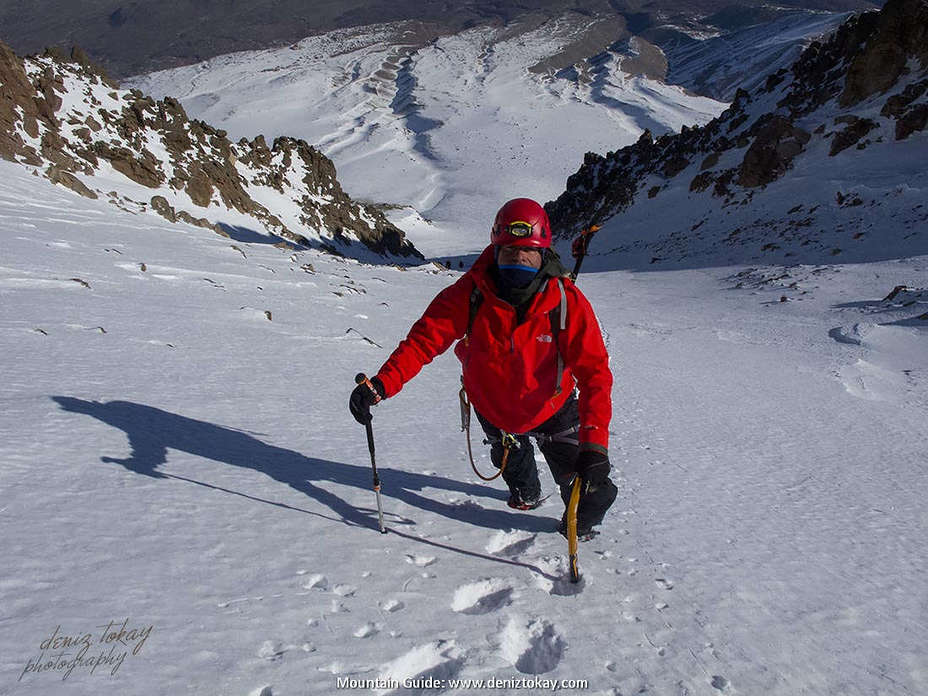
(858, 206)
(718, 66)
(461, 123)
(187, 500)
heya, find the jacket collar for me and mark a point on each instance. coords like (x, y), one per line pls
(545, 299)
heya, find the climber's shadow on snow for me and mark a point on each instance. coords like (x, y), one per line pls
(152, 431)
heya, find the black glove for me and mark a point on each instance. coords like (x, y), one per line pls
(362, 398)
(593, 467)
(598, 492)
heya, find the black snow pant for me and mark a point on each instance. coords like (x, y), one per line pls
(558, 440)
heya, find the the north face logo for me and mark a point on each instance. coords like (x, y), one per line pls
(544, 338)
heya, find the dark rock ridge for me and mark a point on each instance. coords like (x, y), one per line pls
(866, 86)
(64, 116)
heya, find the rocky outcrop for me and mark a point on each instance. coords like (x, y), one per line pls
(19, 109)
(774, 147)
(68, 180)
(855, 129)
(195, 173)
(900, 36)
(866, 84)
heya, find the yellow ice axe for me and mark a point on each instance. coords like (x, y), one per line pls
(572, 529)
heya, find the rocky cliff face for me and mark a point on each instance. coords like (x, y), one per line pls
(846, 122)
(66, 119)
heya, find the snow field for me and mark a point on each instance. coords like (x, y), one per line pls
(174, 455)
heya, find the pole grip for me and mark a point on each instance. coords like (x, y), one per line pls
(362, 378)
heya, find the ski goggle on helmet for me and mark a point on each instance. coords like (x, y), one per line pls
(521, 222)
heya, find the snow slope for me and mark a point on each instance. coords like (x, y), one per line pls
(450, 129)
(718, 66)
(177, 460)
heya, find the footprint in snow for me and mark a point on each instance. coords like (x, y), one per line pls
(272, 651)
(465, 505)
(482, 597)
(532, 647)
(440, 659)
(318, 581)
(556, 580)
(721, 683)
(421, 561)
(664, 583)
(392, 605)
(345, 590)
(367, 630)
(511, 543)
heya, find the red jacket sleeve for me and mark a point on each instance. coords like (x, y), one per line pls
(444, 322)
(585, 354)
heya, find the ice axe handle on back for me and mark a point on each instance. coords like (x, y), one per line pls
(579, 248)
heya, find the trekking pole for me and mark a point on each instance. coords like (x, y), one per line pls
(361, 378)
(572, 529)
(579, 247)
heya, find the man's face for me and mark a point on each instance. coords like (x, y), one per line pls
(519, 256)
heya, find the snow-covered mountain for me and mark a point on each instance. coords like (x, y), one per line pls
(462, 122)
(720, 65)
(824, 161)
(142, 35)
(66, 120)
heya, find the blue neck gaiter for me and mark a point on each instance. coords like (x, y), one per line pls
(516, 276)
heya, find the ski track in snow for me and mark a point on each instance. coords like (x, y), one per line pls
(193, 466)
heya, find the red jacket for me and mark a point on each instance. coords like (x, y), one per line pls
(510, 369)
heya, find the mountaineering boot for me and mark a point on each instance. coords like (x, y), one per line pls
(584, 533)
(524, 501)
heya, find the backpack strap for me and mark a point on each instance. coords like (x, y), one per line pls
(476, 299)
(558, 317)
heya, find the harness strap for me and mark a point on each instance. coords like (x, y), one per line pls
(562, 436)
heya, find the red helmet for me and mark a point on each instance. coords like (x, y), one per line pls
(521, 222)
